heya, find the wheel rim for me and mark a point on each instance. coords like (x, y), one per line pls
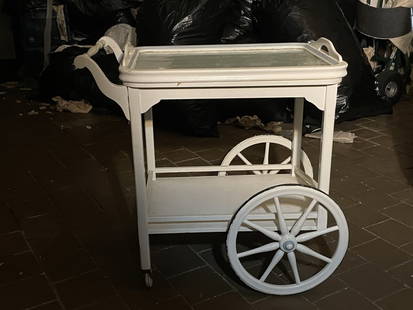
(268, 140)
(286, 242)
(391, 89)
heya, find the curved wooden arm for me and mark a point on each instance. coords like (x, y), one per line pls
(117, 93)
(106, 42)
(324, 45)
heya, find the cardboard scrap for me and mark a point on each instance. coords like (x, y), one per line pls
(254, 121)
(339, 136)
(73, 106)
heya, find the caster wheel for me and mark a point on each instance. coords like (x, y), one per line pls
(390, 86)
(269, 141)
(286, 253)
(148, 280)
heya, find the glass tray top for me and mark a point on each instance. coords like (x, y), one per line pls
(210, 59)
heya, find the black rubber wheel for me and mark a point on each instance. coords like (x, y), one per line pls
(390, 85)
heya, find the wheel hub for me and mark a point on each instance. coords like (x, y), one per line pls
(288, 244)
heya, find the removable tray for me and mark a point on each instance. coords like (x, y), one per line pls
(266, 64)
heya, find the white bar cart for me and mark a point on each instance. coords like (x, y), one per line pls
(280, 202)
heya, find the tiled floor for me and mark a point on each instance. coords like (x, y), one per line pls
(68, 232)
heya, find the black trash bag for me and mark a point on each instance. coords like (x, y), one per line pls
(191, 117)
(305, 20)
(349, 8)
(91, 18)
(240, 28)
(182, 22)
(61, 78)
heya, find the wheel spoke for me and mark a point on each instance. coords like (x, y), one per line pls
(270, 234)
(266, 156)
(275, 260)
(262, 249)
(281, 221)
(311, 235)
(306, 250)
(284, 162)
(300, 222)
(293, 263)
(247, 162)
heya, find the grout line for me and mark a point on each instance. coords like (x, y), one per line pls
(399, 265)
(391, 294)
(75, 276)
(333, 293)
(186, 271)
(42, 304)
(52, 286)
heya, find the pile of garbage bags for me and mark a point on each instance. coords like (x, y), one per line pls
(179, 22)
(182, 22)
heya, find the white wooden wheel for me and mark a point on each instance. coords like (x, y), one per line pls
(287, 247)
(237, 150)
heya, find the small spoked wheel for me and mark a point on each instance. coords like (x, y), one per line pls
(287, 252)
(241, 149)
(148, 279)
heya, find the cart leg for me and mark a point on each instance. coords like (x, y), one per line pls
(327, 139)
(326, 149)
(298, 131)
(149, 140)
(140, 178)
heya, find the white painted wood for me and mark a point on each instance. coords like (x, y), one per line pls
(109, 42)
(117, 93)
(209, 195)
(288, 242)
(237, 151)
(297, 133)
(326, 149)
(206, 204)
(150, 145)
(314, 94)
(266, 64)
(223, 168)
(140, 179)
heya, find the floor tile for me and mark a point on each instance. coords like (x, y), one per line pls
(284, 303)
(84, 290)
(175, 260)
(403, 273)
(200, 284)
(26, 293)
(345, 299)
(358, 235)
(399, 301)
(8, 222)
(362, 216)
(17, 267)
(232, 299)
(402, 213)
(393, 232)
(381, 253)
(12, 243)
(370, 281)
(328, 287)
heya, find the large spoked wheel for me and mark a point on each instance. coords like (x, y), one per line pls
(291, 256)
(241, 149)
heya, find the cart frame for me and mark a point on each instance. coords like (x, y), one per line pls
(144, 89)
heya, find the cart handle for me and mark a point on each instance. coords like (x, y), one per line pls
(117, 93)
(326, 46)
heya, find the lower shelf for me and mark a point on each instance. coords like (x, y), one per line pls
(206, 204)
